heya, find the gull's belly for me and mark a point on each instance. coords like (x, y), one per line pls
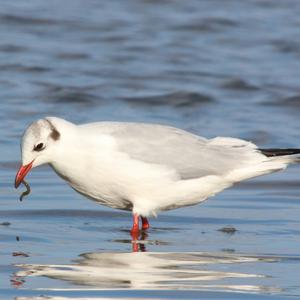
(123, 188)
(130, 185)
(116, 202)
(96, 186)
(103, 194)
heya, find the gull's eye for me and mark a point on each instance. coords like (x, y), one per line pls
(39, 147)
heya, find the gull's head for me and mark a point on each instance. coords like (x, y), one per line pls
(38, 144)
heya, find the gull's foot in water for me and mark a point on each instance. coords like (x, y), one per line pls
(136, 227)
(136, 232)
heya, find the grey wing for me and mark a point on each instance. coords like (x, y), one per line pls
(189, 155)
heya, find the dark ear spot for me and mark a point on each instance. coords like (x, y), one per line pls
(55, 135)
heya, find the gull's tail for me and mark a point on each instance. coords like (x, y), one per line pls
(269, 161)
(279, 152)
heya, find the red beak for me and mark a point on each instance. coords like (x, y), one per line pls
(22, 173)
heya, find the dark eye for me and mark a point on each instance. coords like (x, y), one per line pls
(39, 147)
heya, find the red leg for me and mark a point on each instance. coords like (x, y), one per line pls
(135, 230)
(145, 223)
(135, 227)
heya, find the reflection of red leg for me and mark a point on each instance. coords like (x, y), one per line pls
(135, 246)
(145, 223)
(17, 281)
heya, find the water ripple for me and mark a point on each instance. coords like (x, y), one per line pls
(177, 99)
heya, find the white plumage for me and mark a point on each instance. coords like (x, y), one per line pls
(145, 168)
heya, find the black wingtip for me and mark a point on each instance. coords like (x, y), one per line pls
(279, 152)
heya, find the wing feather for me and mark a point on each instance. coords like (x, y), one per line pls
(191, 156)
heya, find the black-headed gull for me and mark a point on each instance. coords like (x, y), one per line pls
(144, 168)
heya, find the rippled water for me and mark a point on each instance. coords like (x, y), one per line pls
(228, 68)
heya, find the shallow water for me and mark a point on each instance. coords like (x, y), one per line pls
(212, 68)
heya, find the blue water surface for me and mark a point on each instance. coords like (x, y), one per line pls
(215, 68)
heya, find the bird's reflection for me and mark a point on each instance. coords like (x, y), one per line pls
(159, 271)
(138, 241)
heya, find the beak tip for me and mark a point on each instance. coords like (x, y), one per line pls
(17, 182)
(22, 173)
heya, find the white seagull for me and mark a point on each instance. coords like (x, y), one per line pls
(144, 168)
